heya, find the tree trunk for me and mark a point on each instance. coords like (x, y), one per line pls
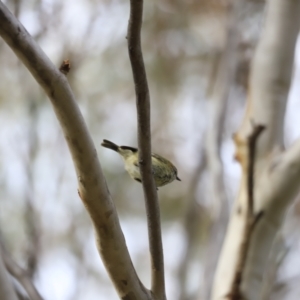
(276, 173)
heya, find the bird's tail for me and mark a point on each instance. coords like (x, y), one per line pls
(110, 145)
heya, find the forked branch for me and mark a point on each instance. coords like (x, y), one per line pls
(251, 217)
(20, 275)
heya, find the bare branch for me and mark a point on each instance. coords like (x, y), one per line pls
(274, 190)
(252, 139)
(30, 215)
(284, 175)
(144, 143)
(92, 185)
(252, 219)
(271, 75)
(6, 286)
(21, 275)
(221, 83)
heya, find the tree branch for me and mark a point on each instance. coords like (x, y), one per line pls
(221, 83)
(21, 275)
(252, 219)
(271, 75)
(144, 143)
(92, 186)
(270, 80)
(252, 139)
(30, 215)
(6, 286)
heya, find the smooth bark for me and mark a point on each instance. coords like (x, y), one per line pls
(277, 173)
(144, 143)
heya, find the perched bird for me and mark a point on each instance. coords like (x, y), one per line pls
(164, 172)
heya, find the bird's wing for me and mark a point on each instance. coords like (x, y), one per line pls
(160, 158)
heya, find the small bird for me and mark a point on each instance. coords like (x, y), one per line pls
(164, 172)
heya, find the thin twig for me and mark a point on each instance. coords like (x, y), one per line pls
(144, 143)
(251, 218)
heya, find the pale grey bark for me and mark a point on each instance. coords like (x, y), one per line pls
(277, 174)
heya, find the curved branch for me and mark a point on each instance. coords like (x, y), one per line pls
(6, 286)
(92, 185)
(21, 275)
(144, 142)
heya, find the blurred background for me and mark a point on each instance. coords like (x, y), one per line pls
(197, 55)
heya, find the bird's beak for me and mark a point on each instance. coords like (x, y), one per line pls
(177, 178)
